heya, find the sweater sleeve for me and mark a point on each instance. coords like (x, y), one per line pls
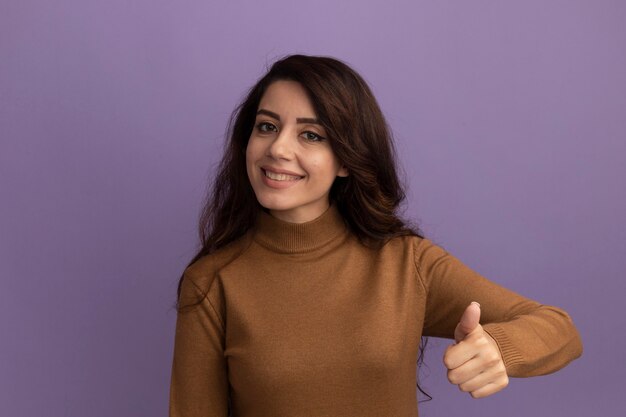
(199, 381)
(534, 339)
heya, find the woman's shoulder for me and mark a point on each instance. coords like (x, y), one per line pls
(203, 271)
(409, 241)
(424, 249)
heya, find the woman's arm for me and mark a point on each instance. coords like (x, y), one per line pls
(533, 339)
(199, 384)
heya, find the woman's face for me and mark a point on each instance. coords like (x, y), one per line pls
(290, 163)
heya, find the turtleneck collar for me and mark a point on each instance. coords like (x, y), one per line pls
(286, 237)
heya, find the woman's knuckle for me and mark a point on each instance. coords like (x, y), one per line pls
(492, 359)
(453, 378)
(448, 362)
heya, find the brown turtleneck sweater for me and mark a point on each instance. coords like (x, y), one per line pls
(303, 320)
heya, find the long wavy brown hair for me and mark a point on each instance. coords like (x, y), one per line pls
(369, 198)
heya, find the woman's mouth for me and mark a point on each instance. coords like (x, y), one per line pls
(279, 176)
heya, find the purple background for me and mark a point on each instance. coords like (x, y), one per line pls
(510, 118)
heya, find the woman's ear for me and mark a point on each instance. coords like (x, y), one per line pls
(343, 171)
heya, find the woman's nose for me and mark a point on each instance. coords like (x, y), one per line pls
(282, 145)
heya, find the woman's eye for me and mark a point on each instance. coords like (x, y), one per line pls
(312, 136)
(265, 127)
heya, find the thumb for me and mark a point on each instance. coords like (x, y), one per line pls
(469, 321)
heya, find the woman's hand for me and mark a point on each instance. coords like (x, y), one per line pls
(474, 362)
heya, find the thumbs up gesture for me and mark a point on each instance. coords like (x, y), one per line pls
(474, 362)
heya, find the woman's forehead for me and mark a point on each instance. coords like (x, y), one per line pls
(287, 99)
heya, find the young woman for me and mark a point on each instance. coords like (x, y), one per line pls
(310, 294)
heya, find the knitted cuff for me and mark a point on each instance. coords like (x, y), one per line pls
(510, 354)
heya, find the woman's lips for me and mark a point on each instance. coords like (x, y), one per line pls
(281, 179)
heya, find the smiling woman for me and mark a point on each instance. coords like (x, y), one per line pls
(290, 163)
(310, 294)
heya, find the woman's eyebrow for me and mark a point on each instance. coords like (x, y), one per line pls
(310, 120)
(269, 113)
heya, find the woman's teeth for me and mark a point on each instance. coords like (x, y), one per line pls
(280, 177)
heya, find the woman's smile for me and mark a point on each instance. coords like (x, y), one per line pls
(279, 179)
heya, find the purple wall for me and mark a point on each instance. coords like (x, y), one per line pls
(510, 118)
